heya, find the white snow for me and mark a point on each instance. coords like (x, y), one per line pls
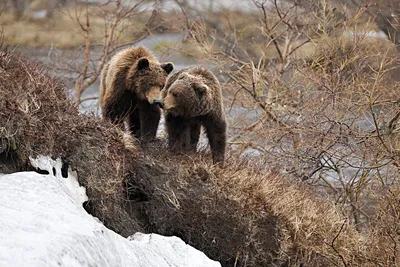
(47, 164)
(43, 223)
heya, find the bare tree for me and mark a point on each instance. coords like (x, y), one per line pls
(387, 17)
(385, 13)
(117, 18)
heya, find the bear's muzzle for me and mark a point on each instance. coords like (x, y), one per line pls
(153, 94)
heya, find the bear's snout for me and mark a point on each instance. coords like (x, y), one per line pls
(168, 102)
(153, 94)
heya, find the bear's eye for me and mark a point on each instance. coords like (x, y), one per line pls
(174, 94)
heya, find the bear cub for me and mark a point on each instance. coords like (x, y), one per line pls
(191, 99)
(130, 82)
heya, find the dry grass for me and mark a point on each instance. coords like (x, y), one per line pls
(60, 31)
(284, 223)
(63, 31)
(242, 215)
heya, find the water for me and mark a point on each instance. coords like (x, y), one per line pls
(246, 6)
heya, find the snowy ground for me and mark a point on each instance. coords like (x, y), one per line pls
(43, 223)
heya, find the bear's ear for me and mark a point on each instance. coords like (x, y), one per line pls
(200, 89)
(168, 67)
(143, 63)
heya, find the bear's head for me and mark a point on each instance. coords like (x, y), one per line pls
(148, 78)
(187, 96)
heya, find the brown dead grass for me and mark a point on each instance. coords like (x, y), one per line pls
(241, 215)
(60, 32)
(285, 224)
(63, 31)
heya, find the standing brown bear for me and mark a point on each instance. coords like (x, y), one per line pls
(191, 99)
(130, 83)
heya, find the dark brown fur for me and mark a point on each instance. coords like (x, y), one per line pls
(191, 99)
(130, 82)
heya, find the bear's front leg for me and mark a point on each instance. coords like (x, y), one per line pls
(195, 127)
(178, 132)
(149, 119)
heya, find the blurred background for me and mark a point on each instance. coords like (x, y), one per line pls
(311, 87)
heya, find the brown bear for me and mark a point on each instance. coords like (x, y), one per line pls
(130, 82)
(191, 99)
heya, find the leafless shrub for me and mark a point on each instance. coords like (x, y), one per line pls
(319, 100)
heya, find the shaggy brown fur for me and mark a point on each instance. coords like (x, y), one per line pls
(130, 82)
(191, 99)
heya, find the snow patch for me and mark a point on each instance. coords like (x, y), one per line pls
(71, 182)
(43, 223)
(185, 254)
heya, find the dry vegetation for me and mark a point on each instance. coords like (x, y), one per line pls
(96, 31)
(318, 98)
(63, 29)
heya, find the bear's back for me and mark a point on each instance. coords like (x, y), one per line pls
(200, 72)
(211, 81)
(208, 77)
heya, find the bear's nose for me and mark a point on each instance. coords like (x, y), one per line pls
(158, 102)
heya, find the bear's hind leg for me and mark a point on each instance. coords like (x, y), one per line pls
(116, 116)
(134, 123)
(216, 133)
(115, 119)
